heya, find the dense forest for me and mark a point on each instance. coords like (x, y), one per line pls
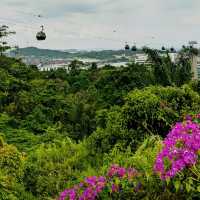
(100, 133)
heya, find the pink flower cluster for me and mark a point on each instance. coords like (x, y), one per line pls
(180, 149)
(92, 186)
(121, 172)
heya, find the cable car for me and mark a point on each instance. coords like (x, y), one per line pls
(41, 35)
(134, 48)
(127, 47)
(172, 50)
(191, 47)
(163, 48)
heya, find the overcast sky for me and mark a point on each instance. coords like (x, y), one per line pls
(102, 24)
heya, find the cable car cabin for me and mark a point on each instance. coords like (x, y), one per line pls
(172, 50)
(134, 48)
(163, 48)
(41, 35)
(127, 47)
(191, 47)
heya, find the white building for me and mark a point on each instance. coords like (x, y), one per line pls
(196, 67)
(141, 58)
(173, 56)
(52, 67)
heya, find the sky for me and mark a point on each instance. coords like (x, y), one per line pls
(102, 24)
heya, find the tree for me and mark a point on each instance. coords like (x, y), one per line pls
(94, 66)
(4, 33)
(75, 66)
(169, 73)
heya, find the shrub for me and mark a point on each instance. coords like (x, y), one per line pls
(151, 111)
(11, 173)
(50, 166)
(11, 160)
(104, 187)
(178, 162)
(155, 109)
(133, 181)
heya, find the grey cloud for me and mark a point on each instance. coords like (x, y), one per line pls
(91, 22)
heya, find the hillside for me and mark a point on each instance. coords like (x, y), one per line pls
(38, 53)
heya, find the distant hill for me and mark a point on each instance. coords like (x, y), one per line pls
(33, 51)
(48, 53)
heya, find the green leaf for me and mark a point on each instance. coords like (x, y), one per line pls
(188, 187)
(168, 181)
(198, 188)
(177, 185)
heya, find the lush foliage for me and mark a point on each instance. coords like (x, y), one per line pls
(97, 131)
(106, 187)
(177, 165)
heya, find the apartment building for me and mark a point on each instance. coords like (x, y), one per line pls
(196, 67)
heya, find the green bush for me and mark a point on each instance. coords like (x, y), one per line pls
(11, 161)
(156, 109)
(11, 173)
(151, 111)
(51, 166)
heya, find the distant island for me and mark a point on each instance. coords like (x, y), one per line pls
(48, 58)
